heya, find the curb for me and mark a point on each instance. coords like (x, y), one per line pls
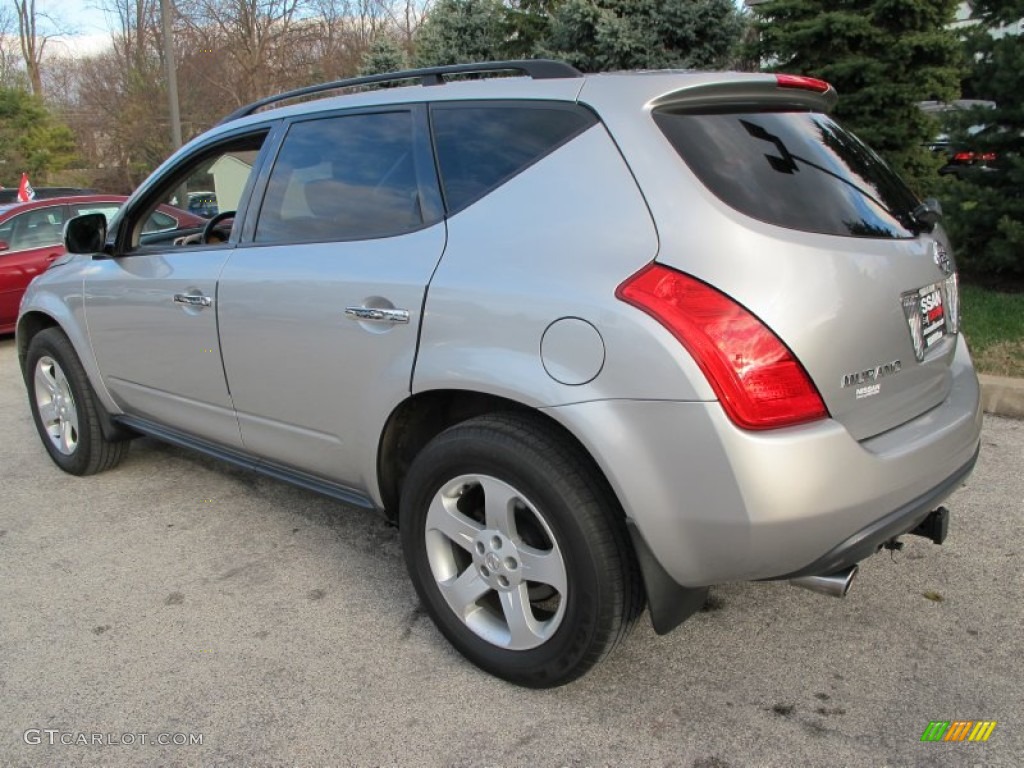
(1002, 396)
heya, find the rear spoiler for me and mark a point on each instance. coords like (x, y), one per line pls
(757, 92)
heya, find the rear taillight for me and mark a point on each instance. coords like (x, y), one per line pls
(758, 381)
(800, 81)
(973, 157)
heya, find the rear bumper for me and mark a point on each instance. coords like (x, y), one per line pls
(869, 539)
(715, 503)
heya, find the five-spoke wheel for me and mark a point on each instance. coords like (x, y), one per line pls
(496, 562)
(64, 408)
(56, 405)
(518, 549)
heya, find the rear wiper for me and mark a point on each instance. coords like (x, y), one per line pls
(927, 214)
(918, 217)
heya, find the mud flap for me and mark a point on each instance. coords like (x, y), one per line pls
(669, 603)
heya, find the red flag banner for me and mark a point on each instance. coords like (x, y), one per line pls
(25, 191)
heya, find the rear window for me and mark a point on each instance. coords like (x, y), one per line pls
(796, 170)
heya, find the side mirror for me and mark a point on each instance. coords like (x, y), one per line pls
(86, 233)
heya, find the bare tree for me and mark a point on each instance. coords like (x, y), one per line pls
(10, 56)
(136, 38)
(32, 43)
(113, 100)
(229, 52)
(254, 36)
(337, 33)
(407, 16)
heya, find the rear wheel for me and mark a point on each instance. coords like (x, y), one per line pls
(64, 409)
(518, 550)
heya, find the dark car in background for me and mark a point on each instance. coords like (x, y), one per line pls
(31, 237)
(203, 204)
(962, 154)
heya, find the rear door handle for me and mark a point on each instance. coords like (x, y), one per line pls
(193, 299)
(378, 315)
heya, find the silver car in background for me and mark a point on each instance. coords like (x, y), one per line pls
(592, 342)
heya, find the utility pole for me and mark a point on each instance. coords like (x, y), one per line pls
(172, 73)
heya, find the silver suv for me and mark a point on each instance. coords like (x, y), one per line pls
(591, 342)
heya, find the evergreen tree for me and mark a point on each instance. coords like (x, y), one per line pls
(384, 55)
(528, 21)
(985, 210)
(883, 57)
(31, 140)
(463, 31)
(594, 35)
(602, 35)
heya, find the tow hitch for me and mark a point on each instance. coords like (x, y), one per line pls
(837, 584)
(934, 526)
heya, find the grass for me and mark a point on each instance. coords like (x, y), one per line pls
(993, 324)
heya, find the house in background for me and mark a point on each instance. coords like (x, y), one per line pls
(230, 173)
(965, 18)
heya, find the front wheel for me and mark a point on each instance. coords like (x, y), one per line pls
(518, 550)
(64, 409)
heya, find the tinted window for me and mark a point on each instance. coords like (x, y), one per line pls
(480, 147)
(797, 170)
(107, 209)
(159, 222)
(6, 228)
(34, 229)
(343, 178)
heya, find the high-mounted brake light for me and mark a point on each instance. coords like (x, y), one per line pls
(756, 378)
(802, 82)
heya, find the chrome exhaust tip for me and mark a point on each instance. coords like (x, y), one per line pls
(834, 584)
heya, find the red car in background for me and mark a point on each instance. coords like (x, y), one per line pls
(31, 236)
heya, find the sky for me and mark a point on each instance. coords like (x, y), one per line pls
(82, 16)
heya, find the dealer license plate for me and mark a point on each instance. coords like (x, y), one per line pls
(925, 311)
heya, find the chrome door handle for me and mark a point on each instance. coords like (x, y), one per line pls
(378, 315)
(193, 299)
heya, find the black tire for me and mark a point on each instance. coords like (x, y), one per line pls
(51, 358)
(562, 507)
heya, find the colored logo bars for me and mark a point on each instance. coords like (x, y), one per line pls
(958, 730)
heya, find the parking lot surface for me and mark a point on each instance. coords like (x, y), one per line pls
(176, 599)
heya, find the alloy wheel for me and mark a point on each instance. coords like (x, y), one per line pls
(56, 405)
(496, 562)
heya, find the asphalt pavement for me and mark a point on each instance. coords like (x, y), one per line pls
(178, 600)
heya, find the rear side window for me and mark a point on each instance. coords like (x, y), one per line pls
(37, 228)
(481, 146)
(343, 178)
(796, 170)
(159, 222)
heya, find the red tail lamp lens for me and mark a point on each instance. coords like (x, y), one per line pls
(756, 378)
(800, 81)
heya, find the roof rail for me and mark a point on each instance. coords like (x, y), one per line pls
(538, 69)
